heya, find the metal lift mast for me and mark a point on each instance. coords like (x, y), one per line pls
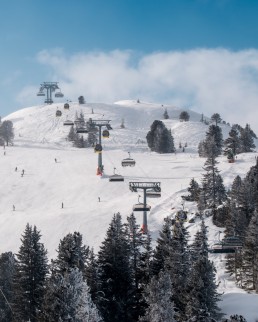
(145, 186)
(50, 87)
(100, 124)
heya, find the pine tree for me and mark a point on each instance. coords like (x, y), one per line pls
(6, 132)
(212, 184)
(71, 254)
(7, 271)
(72, 134)
(91, 275)
(158, 295)
(250, 255)
(194, 191)
(68, 298)
(246, 139)
(178, 264)
(216, 118)
(232, 143)
(161, 252)
(165, 114)
(202, 295)
(30, 275)
(184, 116)
(215, 132)
(160, 139)
(115, 274)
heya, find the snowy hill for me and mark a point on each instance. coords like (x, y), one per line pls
(40, 137)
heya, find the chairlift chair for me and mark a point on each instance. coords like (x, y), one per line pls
(59, 94)
(128, 162)
(40, 93)
(141, 207)
(153, 194)
(81, 130)
(68, 122)
(116, 177)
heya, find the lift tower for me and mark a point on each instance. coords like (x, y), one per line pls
(99, 124)
(49, 87)
(145, 186)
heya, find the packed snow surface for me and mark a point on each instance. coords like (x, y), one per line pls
(40, 138)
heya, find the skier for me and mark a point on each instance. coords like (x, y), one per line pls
(22, 172)
(13, 207)
(55, 160)
(99, 199)
(15, 169)
(62, 205)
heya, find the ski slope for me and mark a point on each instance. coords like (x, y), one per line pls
(40, 138)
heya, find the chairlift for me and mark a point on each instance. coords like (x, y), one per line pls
(98, 148)
(153, 194)
(40, 93)
(116, 177)
(68, 122)
(81, 130)
(128, 162)
(105, 134)
(141, 207)
(59, 94)
(66, 106)
(58, 113)
(232, 241)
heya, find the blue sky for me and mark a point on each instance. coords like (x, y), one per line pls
(118, 49)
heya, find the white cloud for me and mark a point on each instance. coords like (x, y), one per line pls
(206, 80)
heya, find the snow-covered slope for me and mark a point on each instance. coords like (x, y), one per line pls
(40, 138)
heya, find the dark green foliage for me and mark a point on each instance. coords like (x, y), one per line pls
(30, 275)
(235, 318)
(246, 139)
(250, 255)
(81, 100)
(165, 114)
(194, 191)
(159, 138)
(216, 118)
(6, 132)
(212, 184)
(71, 254)
(184, 116)
(232, 143)
(7, 271)
(202, 295)
(212, 145)
(115, 275)
(161, 252)
(91, 275)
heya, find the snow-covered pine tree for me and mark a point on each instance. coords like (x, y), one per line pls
(29, 280)
(158, 295)
(6, 131)
(177, 264)
(161, 252)
(115, 275)
(215, 132)
(202, 296)
(68, 298)
(250, 255)
(91, 275)
(184, 116)
(7, 271)
(135, 239)
(72, 134)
